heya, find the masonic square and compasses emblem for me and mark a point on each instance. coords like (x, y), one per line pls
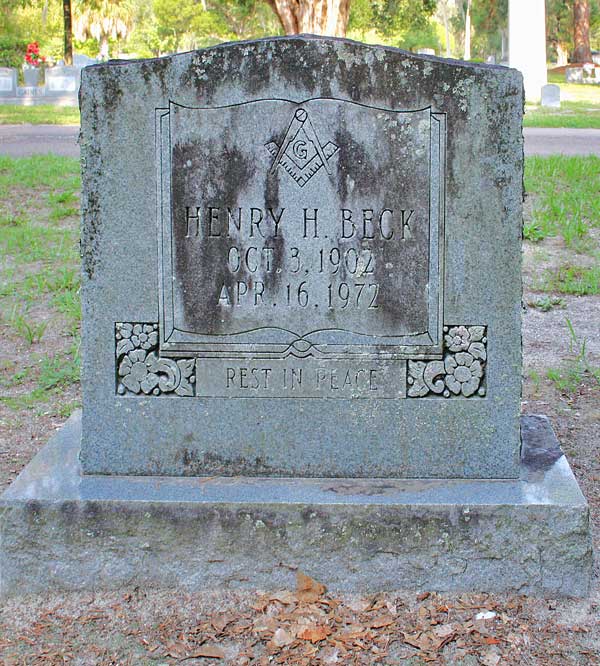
(301, 153)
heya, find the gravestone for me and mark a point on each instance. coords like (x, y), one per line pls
(62, 80)
(551, 95)
(301, 335)
(8, 82)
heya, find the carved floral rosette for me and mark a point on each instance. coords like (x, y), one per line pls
(141, 370)
(461, 372)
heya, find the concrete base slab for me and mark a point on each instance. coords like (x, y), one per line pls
(60, 530)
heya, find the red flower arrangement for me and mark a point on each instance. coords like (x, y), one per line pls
(32, 56)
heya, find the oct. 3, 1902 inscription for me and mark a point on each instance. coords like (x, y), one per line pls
(310, 231)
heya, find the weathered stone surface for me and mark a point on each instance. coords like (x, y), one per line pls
(60, 530)
(377, 337)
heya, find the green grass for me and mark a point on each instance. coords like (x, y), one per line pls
(569, 279)
(578, 370)
(579, 115)
(38, 171)
(44, 114)
(575, 92)
(567, 199)
(39, 274)
(580, 106)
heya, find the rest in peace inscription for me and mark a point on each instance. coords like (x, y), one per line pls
(307, 232)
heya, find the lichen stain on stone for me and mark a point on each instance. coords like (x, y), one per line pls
(112, 92)
(90, 210)
(206, 463)
(158, 68)
(202, 263)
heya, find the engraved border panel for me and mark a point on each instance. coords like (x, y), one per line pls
(274, 343)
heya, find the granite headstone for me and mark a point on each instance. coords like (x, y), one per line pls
(62, 80)
(301, 335)
(334, 287)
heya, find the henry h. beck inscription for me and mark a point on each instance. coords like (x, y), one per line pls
(293, 261)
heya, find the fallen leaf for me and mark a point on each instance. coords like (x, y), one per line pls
(491, 641)
(381, 621)
(417, 640)
(490, 659)
(423, 596)
(219, 622)
(307, 589)
(443, 630)
(281, 638)
(207, 652)
(314, 633)
(284, 597)
(265, 624)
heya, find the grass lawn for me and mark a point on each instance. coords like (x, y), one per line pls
(579, 115)
(580, 106)
(39, 283)
(45, 114)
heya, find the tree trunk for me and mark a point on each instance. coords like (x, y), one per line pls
(562, 55)
(68, 28)
(467, 54)
(447, 31)
(104, 47)
(581, 22)
(318, 17)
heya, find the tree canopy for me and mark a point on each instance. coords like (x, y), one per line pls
(142, 28)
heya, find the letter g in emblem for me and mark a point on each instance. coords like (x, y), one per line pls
(299, 149)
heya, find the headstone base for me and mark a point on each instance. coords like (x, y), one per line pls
(60, 530)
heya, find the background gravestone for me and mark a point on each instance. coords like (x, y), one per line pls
(62, 80)
(301, 261)
(551, 95)
(8, 82)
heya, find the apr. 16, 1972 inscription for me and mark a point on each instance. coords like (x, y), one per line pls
(300, 250)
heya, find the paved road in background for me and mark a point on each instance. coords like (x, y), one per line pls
(22, 140)
(545, 141)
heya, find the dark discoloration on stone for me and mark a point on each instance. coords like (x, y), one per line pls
(201, 267)
(90, 210)
(211, 464)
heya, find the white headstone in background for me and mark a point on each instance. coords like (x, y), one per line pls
(8, 82)
(527, 44)
(551, 95)
(62, 80)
